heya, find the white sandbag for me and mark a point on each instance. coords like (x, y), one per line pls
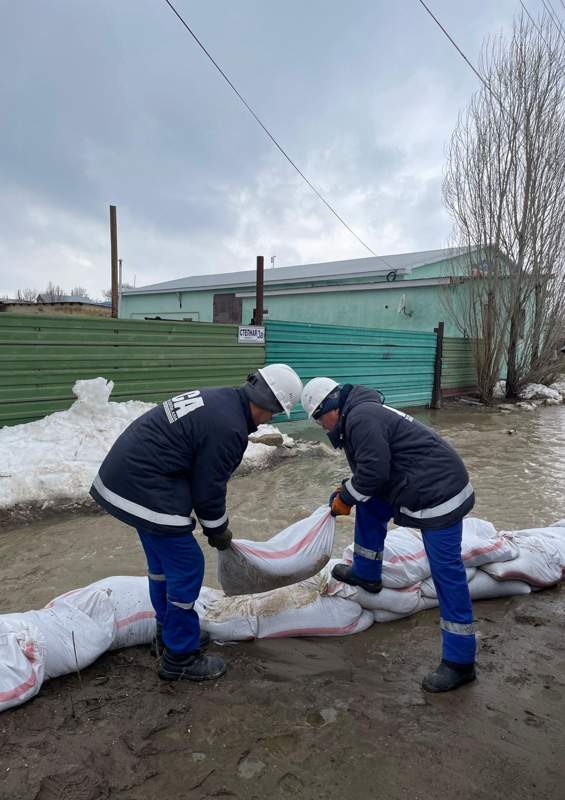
(401, 601)
(404, 561)
(297, 610)
(538, 562)
(296, 553)
(484, 587)
(73, 634)
(481, 544)
(21, 662)
(553, 533)
(133, 612)
(429, 587)
(390, 616)
(226, 619)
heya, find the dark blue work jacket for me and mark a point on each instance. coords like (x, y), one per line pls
(176, 459)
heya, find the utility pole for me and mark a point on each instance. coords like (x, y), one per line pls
(119, 287)
(436, 390)
(114, 257)
(258, 311)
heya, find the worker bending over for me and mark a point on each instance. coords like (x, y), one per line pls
(405, 470)
(173, 461)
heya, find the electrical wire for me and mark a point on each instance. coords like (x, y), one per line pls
(554, 18)
(270, 135)
(462, 54)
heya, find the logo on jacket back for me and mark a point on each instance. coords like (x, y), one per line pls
(182, 404)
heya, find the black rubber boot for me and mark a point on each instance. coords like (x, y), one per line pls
(341, 572)
(158, 645)
(193, 666)
(449, 675)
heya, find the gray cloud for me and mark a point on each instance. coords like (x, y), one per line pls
(113, 103)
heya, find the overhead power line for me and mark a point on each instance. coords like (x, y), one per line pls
(270, 135)
(554, 18)
(462, 54)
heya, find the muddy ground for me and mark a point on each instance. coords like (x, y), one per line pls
(308, 718)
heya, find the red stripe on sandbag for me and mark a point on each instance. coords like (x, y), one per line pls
(139, 615)
(268, 554)
(11, 694)
(313, 631)
(410, 557)
(479, 551)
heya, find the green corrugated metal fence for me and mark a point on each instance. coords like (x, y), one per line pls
(399, 363)
(458, 370)
(42, 357)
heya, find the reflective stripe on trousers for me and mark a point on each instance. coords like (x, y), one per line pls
(371, 519)
(443, 548)
(176, 570)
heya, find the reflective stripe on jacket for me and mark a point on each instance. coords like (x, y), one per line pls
(176, 459)
(403, 462)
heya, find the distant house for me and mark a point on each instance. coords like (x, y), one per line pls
(398, 292)
(67, 304)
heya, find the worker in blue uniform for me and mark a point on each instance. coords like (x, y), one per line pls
(173, 461)
(403, 470)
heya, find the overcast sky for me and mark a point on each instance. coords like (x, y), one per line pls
(112, 101)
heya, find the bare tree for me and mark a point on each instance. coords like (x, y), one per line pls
(505, 189)
(53, 292)
(28, 295)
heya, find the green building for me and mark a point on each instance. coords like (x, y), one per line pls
(397, 292)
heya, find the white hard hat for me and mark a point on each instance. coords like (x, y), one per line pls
(284, 383)
(315, 392)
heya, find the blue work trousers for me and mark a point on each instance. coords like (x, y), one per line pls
(176, 570)
(443, 548)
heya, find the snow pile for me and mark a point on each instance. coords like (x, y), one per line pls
(56, 458)
(537, 391)
(559, 386)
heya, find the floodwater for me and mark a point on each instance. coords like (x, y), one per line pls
(516, 462)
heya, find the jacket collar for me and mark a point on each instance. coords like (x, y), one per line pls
(251, 427)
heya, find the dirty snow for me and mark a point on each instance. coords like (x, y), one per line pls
(56, 458)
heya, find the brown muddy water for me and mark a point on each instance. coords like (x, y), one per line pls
(516, 462)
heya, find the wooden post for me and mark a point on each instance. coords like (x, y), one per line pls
(436, 391)
(114, 257)
(259, 290)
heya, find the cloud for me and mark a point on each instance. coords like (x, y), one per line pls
(114, 103)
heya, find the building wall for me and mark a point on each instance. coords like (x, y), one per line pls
(424, 306)
(169, 305)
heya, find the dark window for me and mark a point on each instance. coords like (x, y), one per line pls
(227, 308)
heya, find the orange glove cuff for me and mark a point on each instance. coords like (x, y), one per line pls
(339, 508)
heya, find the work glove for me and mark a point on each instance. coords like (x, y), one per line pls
(333, 495)
(338, 507)
(221, 541)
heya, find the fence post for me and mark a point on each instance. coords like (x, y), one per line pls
(259, 292)
(436, 391)
(114, 258)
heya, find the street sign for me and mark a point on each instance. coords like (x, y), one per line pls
(251, 334)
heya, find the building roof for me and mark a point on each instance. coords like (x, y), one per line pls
(374, 266)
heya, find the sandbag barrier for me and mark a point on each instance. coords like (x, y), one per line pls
(298, 596)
